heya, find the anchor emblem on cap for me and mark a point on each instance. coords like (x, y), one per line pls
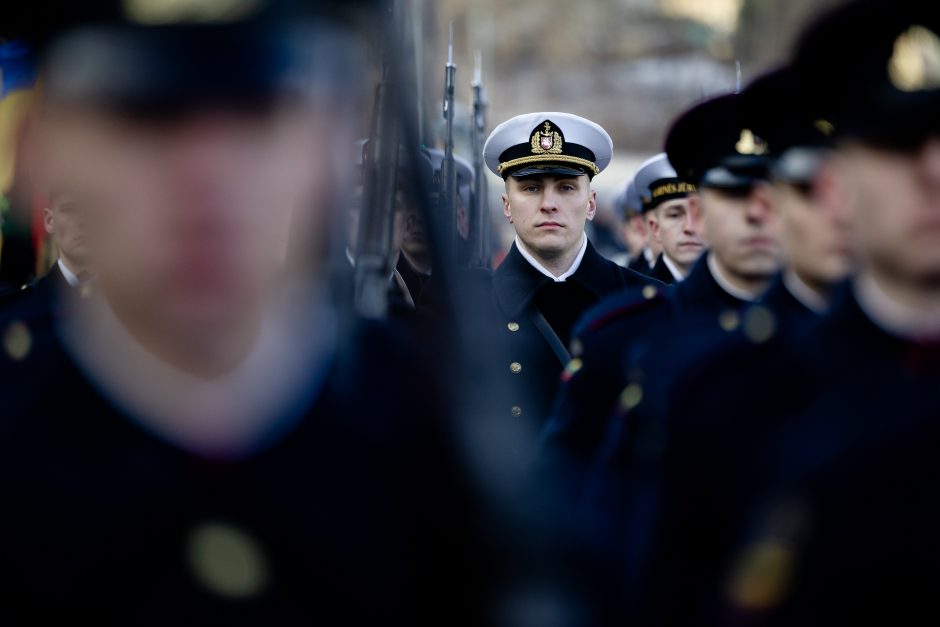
(750, 144)
(546, 140)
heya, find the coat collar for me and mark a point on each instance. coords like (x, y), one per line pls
(516, 281)
(785, 305)
(701, 290)
(661, 272)
(52, 282)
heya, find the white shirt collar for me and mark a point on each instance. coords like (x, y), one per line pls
(70, 276)
(725, 284)
(803, 293)
(230, 416)
(892, 316)
(535, 264)
(677, 274)
(649, 256)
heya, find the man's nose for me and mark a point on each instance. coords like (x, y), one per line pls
(549, 201)
(929, 163)
(758, 207)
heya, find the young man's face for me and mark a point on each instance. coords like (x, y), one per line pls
(414, 240)
(398, 222)
(815, 238)
(742, 230)
(192, 214)
(892, 200)
(66, 220)
(676, 229)
(549, 213)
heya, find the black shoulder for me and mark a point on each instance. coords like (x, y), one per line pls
(465, 286)
(621, 306)
(633, 278)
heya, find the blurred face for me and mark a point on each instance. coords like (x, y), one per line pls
(742, 231)
(549, 213)
(634, 234)
(414, 233)
(892, 201)
(192, 214)
(352, 223)
(66, 220)
(815, 238)
(677, 231)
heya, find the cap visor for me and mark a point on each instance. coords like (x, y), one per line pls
(739, 174)
(544, 170)
(798, 165)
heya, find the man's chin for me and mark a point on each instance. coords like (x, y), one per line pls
(688, 256)
(416, 250)
(759, 268)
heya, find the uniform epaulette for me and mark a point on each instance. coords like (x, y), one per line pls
(620, 306)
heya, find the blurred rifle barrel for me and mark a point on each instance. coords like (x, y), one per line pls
(376, 217)
(448, 167)
(479, 212)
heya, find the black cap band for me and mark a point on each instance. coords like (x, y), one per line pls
(666, 189)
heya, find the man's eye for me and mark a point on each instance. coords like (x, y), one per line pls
(567, 188)
(530, 188)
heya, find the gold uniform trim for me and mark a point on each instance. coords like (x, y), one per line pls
(548, 159)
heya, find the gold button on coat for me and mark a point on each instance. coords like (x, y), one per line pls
(515, 367)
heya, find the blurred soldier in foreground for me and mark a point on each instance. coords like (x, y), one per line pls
(667, 201)
(208, 453)
(815, 236)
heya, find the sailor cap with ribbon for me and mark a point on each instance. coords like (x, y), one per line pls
(657, 182)
(547, 143)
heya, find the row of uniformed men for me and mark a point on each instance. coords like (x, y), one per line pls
(734, 452)
(753, 444)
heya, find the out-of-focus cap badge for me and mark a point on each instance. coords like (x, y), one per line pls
(915, 64)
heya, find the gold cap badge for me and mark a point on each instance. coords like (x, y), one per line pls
(750, 144)
(546, 141)
(915, 63)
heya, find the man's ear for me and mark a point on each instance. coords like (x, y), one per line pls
(653, 223)
(47, 221)
(639, 224)
(506, 210)
(592, 205)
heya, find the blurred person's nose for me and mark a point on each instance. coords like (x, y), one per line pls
(758, 208)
